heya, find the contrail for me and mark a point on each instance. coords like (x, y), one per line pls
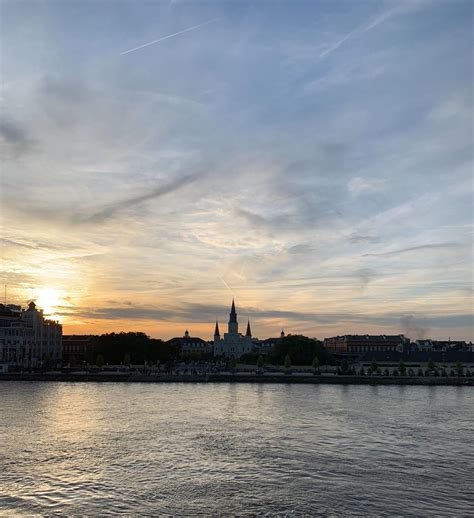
(169, 36)
(110, 210)
(227, 286)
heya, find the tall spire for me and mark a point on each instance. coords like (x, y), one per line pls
(216, 332)
(233, 325)
(248, 333)
(233, 313)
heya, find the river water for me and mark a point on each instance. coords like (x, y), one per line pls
(185, 449)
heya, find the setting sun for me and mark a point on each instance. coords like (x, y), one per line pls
(48, 300)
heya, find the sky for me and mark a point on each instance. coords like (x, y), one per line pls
(312, 159)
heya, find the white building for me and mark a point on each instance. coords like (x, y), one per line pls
(27, 339)
(233, 344)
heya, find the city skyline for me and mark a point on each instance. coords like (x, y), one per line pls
(314, 161)
(249, 323)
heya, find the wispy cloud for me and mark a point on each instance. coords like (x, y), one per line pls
(414, 325)
(432, 246)
(167, 189)
(358, 185)
(193, 28)
(373, 22)
(112, 209)
(14, 139)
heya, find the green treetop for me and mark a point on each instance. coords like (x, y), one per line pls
(458, 367)
(401, 367)
(316, 364)
(374, 366)
(431, 365)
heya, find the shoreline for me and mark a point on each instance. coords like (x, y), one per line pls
(241, 378)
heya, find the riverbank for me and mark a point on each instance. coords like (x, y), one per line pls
(240, 378)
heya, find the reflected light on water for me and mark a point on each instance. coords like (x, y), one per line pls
(108, 448)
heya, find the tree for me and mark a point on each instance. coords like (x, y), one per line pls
(114, 346)
(401, 368)
(99, 361)
(316, 365)
(126, 359)
(232, 363)
(249, 358)
(374, 366)
(420, 372)
(344, 366)
(260, 362)
(431, 365)
(301, 349)
(287, 363)
(443, 372)
(395, 372)
(362, 372)
(458, 367)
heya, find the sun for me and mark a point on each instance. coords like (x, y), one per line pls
(48, 299)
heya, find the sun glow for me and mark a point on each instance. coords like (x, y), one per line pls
(48, 300)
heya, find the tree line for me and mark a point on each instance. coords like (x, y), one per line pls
(130, 348)
(137, 348)
(292, 350)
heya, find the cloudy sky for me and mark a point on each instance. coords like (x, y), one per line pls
(311, 158)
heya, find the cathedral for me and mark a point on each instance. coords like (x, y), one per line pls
(233, 344)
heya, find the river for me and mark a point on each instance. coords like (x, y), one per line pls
(186, 449)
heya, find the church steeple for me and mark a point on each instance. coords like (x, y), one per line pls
(233, 325)
(233, 313)
(216, 332)
(248, 333)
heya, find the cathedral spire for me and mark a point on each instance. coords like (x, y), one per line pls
(233, 325)
(248, 333)
(233, 313)
(216, 332)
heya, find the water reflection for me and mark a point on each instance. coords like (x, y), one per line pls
(235, 448)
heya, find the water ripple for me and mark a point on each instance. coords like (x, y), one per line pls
(178, 449)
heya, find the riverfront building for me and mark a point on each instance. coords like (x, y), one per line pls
(359, 344)
(265, 346)
(78, 349)
(415, 359)
(27, 339)
(191, 345)
(233, 344)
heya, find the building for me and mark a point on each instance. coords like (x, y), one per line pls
(233, 344)
(441, 345)
(15, 337)
(355, 345)
(191, 346)
(422, 345)
(265, 346)
(78, 349)
(415, 360)
(27, 339)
